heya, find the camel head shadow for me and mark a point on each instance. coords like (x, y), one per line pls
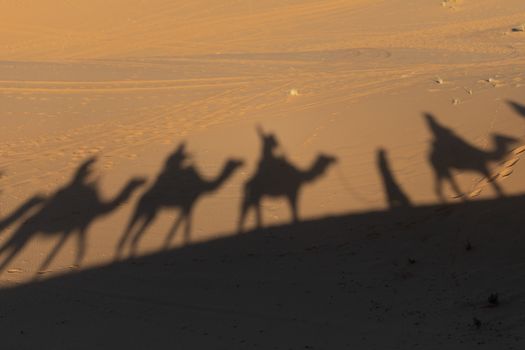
(275, 176)
(67, 212)
(450, 152)
(519, 108)
(178, 186)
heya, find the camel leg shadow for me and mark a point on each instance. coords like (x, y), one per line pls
(245, 208)
(144, 222)
(494, 183)
(185, 216)
(292, 201)
(440, 177)
(81, 246)
(21, 211)
(54, 252)
(14, 250)
(139, 233)
(173, 230)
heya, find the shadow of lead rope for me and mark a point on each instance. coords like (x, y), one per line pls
(348, 188)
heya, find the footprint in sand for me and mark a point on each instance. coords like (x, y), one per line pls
(475, 193)
(519, 150)
(505, 171)
(511, 162)
(108, 164)
(15, 270)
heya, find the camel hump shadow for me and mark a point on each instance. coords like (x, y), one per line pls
(69, 211)
(450, 152)
(394, 195)
(177, 186)
(275, 176)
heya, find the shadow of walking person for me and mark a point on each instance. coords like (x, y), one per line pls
(450, 152)
(394, 195)
(177, 186)
(70, 210)
(277, 177)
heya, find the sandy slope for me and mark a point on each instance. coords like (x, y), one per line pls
(127, 81)
(383, 279)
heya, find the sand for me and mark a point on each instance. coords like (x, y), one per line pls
(410, 98)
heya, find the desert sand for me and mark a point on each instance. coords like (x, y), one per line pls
(379, 141)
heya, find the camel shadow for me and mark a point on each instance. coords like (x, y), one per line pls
(277, 177)
(177, 186)
(69, 211)
(394, 195)
(450, 152)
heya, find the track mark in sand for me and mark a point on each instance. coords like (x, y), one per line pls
(15, 270)
(505, 170)
(519, 150)
(511, 162)
(43, 272)
(475, 193)
(108, 164)
(84, 152)
(133, 156)
(162, 123)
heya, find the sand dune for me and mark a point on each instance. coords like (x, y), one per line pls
(126, 82)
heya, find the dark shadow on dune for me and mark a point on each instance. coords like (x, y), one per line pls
(275, 176)
(69, 211)
(21, 211)
(177, 186)
(394, 195)
(519, 108)
(336, 282)
(369, 280)
(450, 152)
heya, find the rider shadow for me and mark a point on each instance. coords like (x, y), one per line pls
(394, 195)
(450, 152)
(179, 186)
(69, 211)
(277, 177)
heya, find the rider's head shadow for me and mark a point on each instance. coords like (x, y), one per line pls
(84, 171)
(177, 158)
(269, 143)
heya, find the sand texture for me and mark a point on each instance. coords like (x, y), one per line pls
(293, 174)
